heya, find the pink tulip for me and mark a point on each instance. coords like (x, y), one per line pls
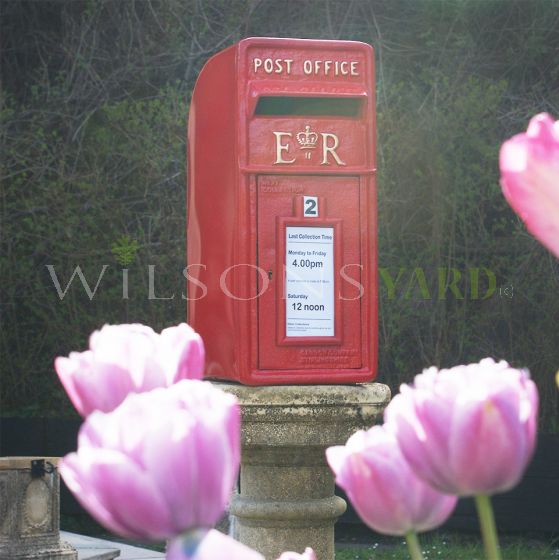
(468, 430)
(212, 545)
(307, 555)
(383, 489)
(530, 178)
(126, 359)
(160, 464)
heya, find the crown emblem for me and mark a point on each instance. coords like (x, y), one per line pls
(307, 140)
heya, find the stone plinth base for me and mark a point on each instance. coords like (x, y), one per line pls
(286, 499)
(29, 511)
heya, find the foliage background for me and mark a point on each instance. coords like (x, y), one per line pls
(93, 105)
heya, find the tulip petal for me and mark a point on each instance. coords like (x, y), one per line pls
(202, 464)
(74, 475)
(307, 555)
(529, 414)
(336, 457)
(179, 476)
(107, 385)
(213, 546)
(489, 456)
(66, 369)
(430, 512)
(184, 360)
(415, 444)
(123, 490)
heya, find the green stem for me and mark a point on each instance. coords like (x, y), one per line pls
(413, 546)
(488, 528)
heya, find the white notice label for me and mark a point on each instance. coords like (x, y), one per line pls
(309, 281)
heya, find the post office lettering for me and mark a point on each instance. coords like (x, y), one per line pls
(309, 67)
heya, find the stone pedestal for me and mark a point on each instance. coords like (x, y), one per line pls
(30, 511)
(286, 499)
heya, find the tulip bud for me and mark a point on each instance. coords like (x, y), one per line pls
(384, 491)
(529, 165)
(126, 359)
(468, 430)
(160, 464)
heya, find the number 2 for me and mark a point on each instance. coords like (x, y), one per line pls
(310, 206)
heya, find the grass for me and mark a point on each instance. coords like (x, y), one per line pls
(451, 547)
(435, 546)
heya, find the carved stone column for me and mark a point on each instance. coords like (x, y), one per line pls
(30, 510)
(286, 499)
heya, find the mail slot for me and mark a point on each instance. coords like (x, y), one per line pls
(281, 212)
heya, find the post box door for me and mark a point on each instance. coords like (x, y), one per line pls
(309, 304)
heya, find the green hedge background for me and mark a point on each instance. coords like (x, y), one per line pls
(93, 110)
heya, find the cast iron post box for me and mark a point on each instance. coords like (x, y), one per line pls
(281, 212)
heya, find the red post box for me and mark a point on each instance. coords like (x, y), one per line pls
(281, 224)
